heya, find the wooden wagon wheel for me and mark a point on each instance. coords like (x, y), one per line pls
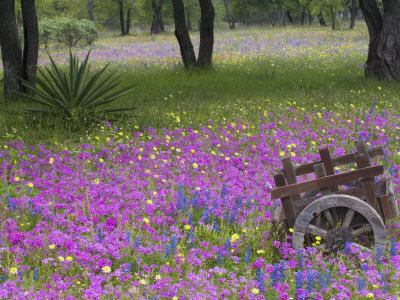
(338, 219)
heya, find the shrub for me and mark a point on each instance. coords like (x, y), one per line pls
(67, 31)
(76, 93)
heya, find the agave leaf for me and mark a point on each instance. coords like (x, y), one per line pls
(51, 91)
(45, 98)
(100, 89)
(32, 99)
(58, 81)
(34, 110)
(112, 97)
(100, 93)
(86, 92)
(111, 110)
(81, 78)
(59, 78)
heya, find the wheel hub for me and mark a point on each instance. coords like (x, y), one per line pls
(338, 237)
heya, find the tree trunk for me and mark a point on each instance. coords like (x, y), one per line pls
(353, 8)
(303, 17)
(31, 39)
(283, 18)
(128, 21)
(189, 20)
(90, 6)
(272, 21)
(310, 17)
(289, 16)
(384, 45)
(231, 22)
(333, 18)
(206, 33)
(157, 26)
(182, 34)
(121, 16)
(321, 19)
(10, 49)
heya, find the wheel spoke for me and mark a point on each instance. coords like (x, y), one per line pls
(329, 218)
(363, 248)
(349, 217)
(362, 230)
(314, 230)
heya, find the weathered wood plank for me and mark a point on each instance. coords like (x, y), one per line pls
(355, 191)
(370, 197)
(361, 147)
(328, 164)
(290, 175)
(337, 161)
(287, 203)
(324, 182)
(363, 161)
(388, 207)
(319, 173)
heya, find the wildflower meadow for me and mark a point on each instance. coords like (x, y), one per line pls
(174, 202)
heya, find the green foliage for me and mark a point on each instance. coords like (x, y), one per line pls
(67, 31)
(74, 94)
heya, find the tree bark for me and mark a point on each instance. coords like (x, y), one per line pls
(290, 19)
(333, 18)
(182, 34)
(383, 61)
(206, 33)
(128, 21)
(157, 25)
(310, 17)
(90, 6)
(31, 39)
(283, 15)
(321, 19)
(231, 20)
(121, 16)
(189, 20)
(10, 49)
(303, 17)
(272, 21)
(353, 8)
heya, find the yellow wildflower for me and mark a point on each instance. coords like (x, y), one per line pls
(69, 258)
(60, 258)
(52, 246)
(106, 269)
(234, 237)
(187, 227)
(255, 291)
(13, 270)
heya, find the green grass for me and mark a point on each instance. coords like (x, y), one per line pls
(229, 90)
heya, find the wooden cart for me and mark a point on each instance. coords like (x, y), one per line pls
(339, 208)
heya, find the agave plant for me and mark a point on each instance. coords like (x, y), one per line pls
(76, 92)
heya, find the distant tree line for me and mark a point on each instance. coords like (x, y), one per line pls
(20, 60)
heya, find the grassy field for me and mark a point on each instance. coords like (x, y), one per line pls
(174, 202)
(314, 67)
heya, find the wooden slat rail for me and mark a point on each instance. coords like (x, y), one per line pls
(337, 161)
(290, 175)
(379, 189)
(287, 202)
(328, 166)
(324, 182)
